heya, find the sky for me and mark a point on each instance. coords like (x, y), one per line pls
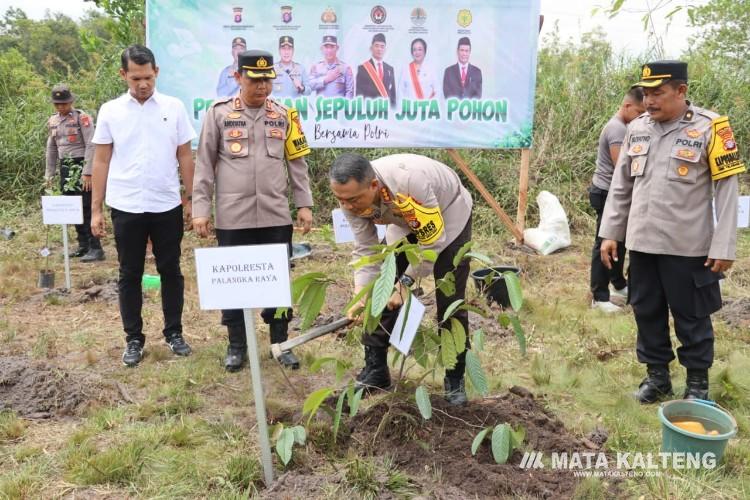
(573, 17)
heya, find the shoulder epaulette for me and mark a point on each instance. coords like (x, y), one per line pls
(221, 100)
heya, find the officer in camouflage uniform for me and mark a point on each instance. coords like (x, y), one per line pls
(69, 145)
(678, 160)
(251, 150)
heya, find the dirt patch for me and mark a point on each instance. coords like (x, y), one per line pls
(444, 443)
(104, 292)
(437, 454)
(35, 389)
(735, 312)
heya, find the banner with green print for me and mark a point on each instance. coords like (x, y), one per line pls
(363, 74)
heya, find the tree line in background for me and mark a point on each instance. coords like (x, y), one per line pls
(579, 86)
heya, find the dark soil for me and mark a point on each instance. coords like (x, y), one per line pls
(91, 292)
(736, 312)
(436, 454)
(35, 389)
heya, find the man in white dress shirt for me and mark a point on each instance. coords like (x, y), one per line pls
(141, 137)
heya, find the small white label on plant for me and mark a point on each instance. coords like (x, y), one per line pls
(406, 327)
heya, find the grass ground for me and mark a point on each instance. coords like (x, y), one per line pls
(185, 427)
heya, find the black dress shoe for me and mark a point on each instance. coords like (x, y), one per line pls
(79, 252)
(93, 255)
(289, 360)
(455, 391)
(697, 384)
(657, 385)
(235, 358)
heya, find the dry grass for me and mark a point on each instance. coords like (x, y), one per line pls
(189, 430)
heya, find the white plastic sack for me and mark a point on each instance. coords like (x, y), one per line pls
(553, 232)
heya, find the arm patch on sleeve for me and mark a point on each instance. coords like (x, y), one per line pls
(426, 223)
(296, 142)
(723, 155)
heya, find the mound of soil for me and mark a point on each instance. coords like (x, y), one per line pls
(35, 389)
(735, 312)
(444, 442)
(436, 454)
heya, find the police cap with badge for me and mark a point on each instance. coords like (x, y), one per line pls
(61, 94)
(657, 73)
(286, 41)
(330, 40)
(238, 40)
(256, 64)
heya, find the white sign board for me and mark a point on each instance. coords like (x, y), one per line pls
(406, 327)
(743, 211)
(342, 231)
(243, 277)
(62, 210)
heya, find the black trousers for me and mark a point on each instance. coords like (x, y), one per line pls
(444, 264)
(601, 277)
(85, 238)
(658, 284)
(256, 236)
(132, 232)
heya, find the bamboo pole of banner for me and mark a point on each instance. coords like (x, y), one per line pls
(506, 220)
(523, 192)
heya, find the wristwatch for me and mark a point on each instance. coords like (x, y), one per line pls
(406, 280)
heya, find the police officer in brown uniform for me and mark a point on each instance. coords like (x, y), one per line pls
(69, 145)
(251, 151)
(423, 200)
(678, 159)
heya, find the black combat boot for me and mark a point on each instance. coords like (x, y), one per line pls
(455, 392)
(236, 350)
(279, 334)
(697, 384)
(453, 383)
(655, 386)
(375, 374)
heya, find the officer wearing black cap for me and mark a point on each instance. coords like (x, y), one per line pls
(678, 160)
(69, 145)
(227, 85)
(331, 77)
(375, 77)
(291, 78)
(252, 151)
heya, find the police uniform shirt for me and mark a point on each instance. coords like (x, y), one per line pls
(283, 85)
(69, 136)
(241, 156)
(343, 86)
(143, 174)
(430, 185)
(227, 85)
(660, 200)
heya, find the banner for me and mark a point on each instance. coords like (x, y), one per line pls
(363, 74)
